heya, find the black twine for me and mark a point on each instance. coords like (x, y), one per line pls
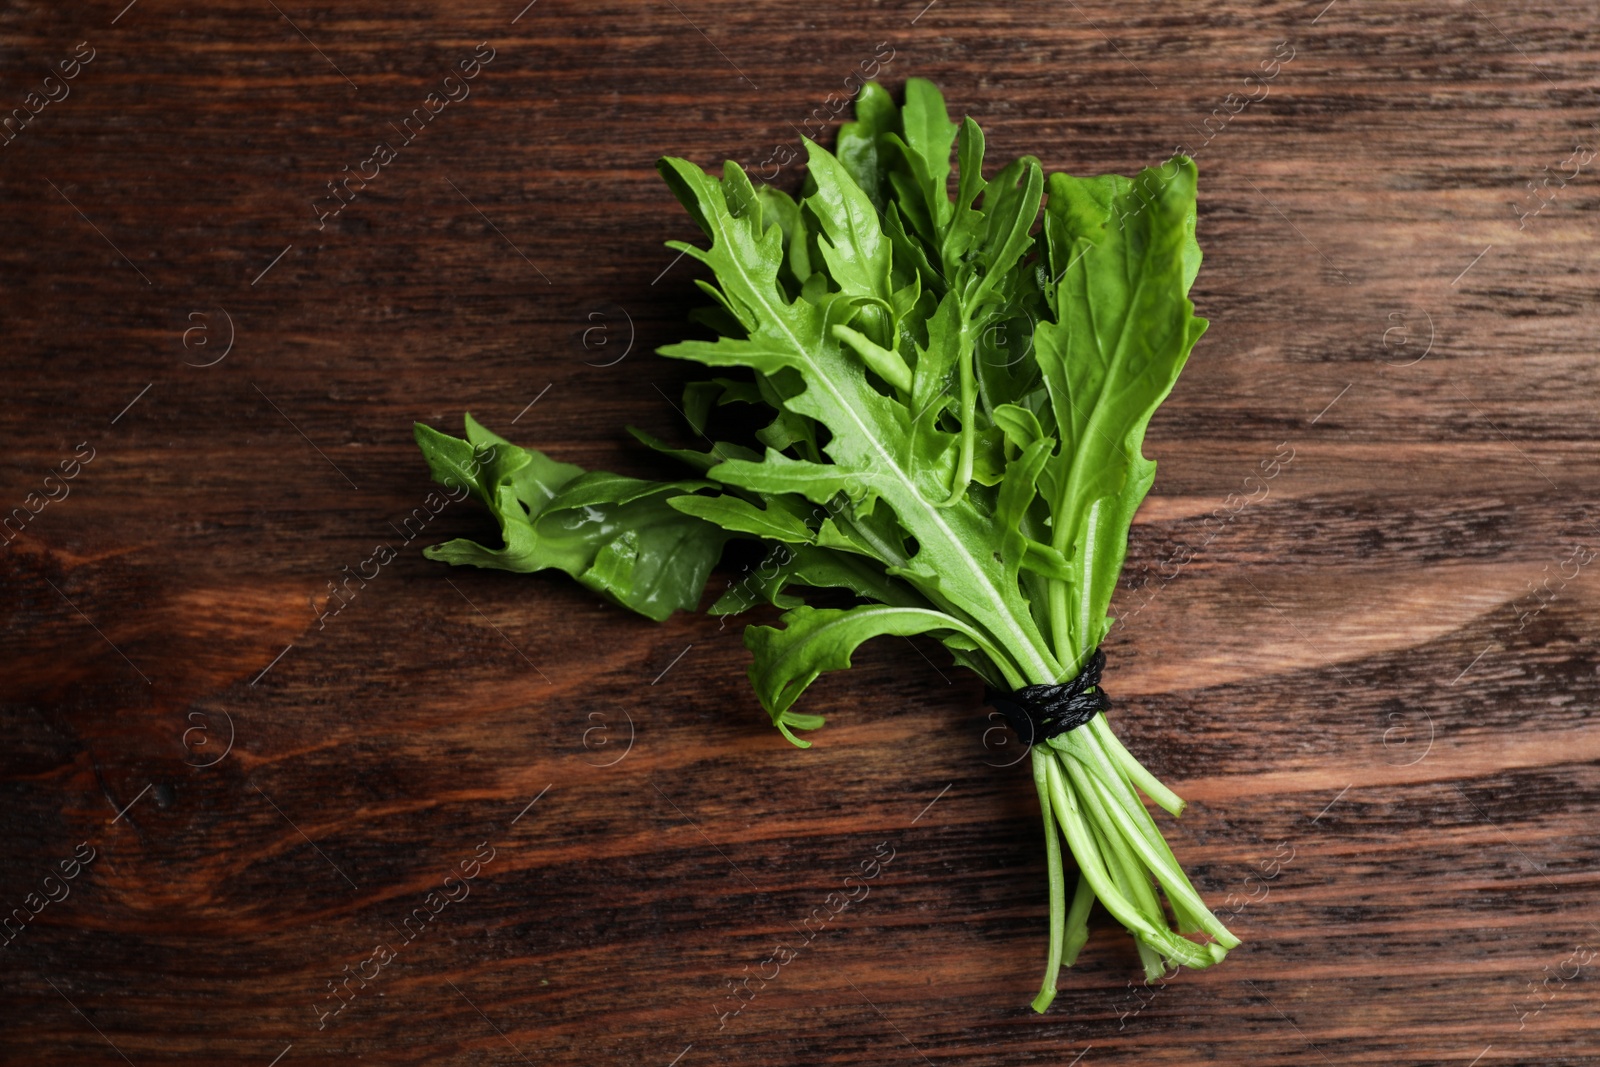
(1040, 712)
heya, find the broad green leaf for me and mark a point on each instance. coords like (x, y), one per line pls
(1122, 328)
(644, 555)
(618, 536)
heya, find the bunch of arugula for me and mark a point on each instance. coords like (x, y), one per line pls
(958, 401)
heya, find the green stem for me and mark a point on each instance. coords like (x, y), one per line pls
(1074, 638)
(1052, 852)
(1165, 798)
(1114, 809)
(1060, 629)
(1015, 672)
(1081, 839)
(969, 411)
(1077, 933)
(1130, 876)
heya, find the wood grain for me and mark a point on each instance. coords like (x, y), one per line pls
(1349, 671)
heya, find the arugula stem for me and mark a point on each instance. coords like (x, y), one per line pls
(969, 410)
(1127, 870)
(1130, 876)
(1052, 852)
(1090, 861)
(1165, 798)
(1077, 933)
(1113, 810)
(1060, 628)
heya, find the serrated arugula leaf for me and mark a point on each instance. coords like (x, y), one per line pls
(926, 137)
(871, 449)
(700, 461)
(483, 462)
(813, 640)
(854, 250)
(820, 568)
(740, 516)
(602, 488)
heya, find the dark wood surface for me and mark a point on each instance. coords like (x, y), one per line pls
(1353, 671)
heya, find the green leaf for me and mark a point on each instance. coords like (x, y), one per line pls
(535, 477)
(928, 137)
(698, 400)
(818, 568)
(777, 473)
(779, 209)
(1020, 425)
(853, 247)
(484, 461)
(872, 451)
(593, 488)
(861, 147)
(1043, 560)
(885, 362)
(1122, 327)
(452, 461)
(519, 552)
(1010, 209)
(814, 640)
(618, 536)
(1017, 489)
(700, 461)
(739, 516)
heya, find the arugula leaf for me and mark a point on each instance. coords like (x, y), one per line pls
(1123, 328)
(740, 516)
(699, 461)
(814, 640)
(870, 447)
(819, 568)
(620, 537)
(921, 182)
(861, 147)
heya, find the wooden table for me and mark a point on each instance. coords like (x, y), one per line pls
(1376, 684)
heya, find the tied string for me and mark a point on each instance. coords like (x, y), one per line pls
(1040, 712)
